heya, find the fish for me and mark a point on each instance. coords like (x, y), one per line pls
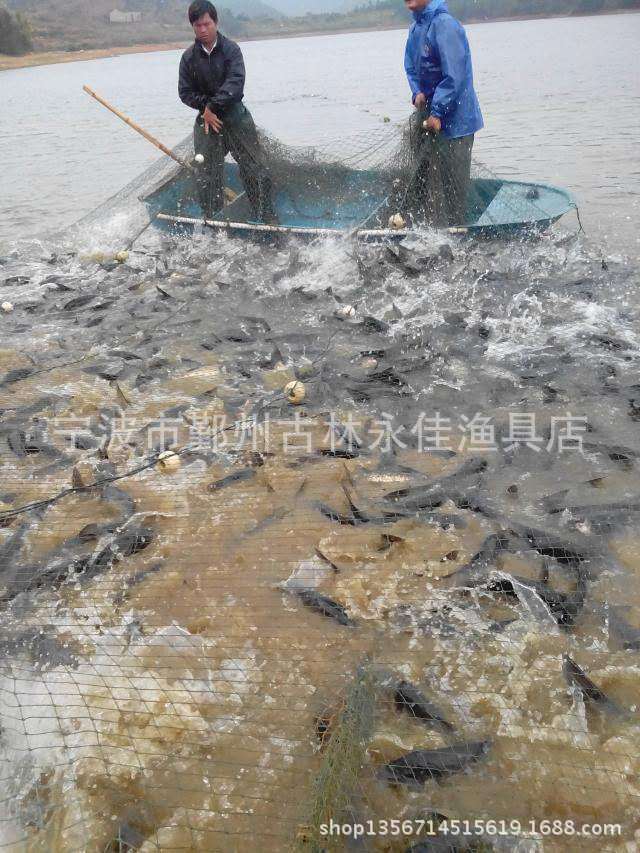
(16, 280)
(338, 454)
(617, 453)
(474, 465)
(429, 497)
(210, 342)
(388, 376)
(102, 306)
(413, 702)
(563, 551)
(357, 516)
(238, 336)
(270, 361)
(16, 375)
(416, 767)
(78, 302)
(124, 354)
(326, 560)
(91, 532)
(610, 343)
(556, 503)
(564, 607)
(405, 260)
(276, 515)
(56, 568)
(575, 676)
(230, 479)
(324, 605)
(128, 541)
(334, 515)
(474, 503)
(355, 511)
(16, 441)
(362, 518)
(634, 408)
(433, 497)
(17, 415)
(600, 518)
(372, 324)
(28, 443)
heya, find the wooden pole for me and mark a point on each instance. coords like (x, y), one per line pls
(139, 129)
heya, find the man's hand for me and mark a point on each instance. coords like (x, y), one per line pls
(433, 125)
(420, 101)
(212, 121)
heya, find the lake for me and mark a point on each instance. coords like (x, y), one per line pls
(557, 107)
(428, 568)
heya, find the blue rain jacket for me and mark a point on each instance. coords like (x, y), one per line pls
(437, 60)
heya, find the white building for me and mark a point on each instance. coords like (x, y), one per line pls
(118, 17)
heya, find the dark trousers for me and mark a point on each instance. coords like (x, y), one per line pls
(238, 137)
(440, 175)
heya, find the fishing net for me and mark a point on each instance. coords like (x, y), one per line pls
(389, 176)
(270, 578)
(392, 174)
(422, 179)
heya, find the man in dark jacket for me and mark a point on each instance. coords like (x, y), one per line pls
(438, 66)
(212, 81)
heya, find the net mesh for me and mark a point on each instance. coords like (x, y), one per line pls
(290, 629)
(393, 175)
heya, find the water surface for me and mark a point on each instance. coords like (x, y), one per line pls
(558, 108)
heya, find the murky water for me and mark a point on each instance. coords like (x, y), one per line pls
(166, 649)
(162, 674)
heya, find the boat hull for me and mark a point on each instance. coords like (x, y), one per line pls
(496, 208)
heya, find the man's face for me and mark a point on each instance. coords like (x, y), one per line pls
(206, 29)
(415, 5)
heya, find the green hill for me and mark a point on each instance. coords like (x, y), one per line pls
(80, 25)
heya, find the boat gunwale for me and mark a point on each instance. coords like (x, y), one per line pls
(295, 229)
(473, 228)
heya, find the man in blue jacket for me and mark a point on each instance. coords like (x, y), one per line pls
(438, 65)
(211, 80)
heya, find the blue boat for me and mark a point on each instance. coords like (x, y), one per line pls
(360, 208)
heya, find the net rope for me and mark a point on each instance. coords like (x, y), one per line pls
(223, 649)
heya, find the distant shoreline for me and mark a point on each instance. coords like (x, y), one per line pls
(55, 57)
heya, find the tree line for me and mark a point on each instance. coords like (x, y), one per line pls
(16, 37)
(15, 33)
(468, 10)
